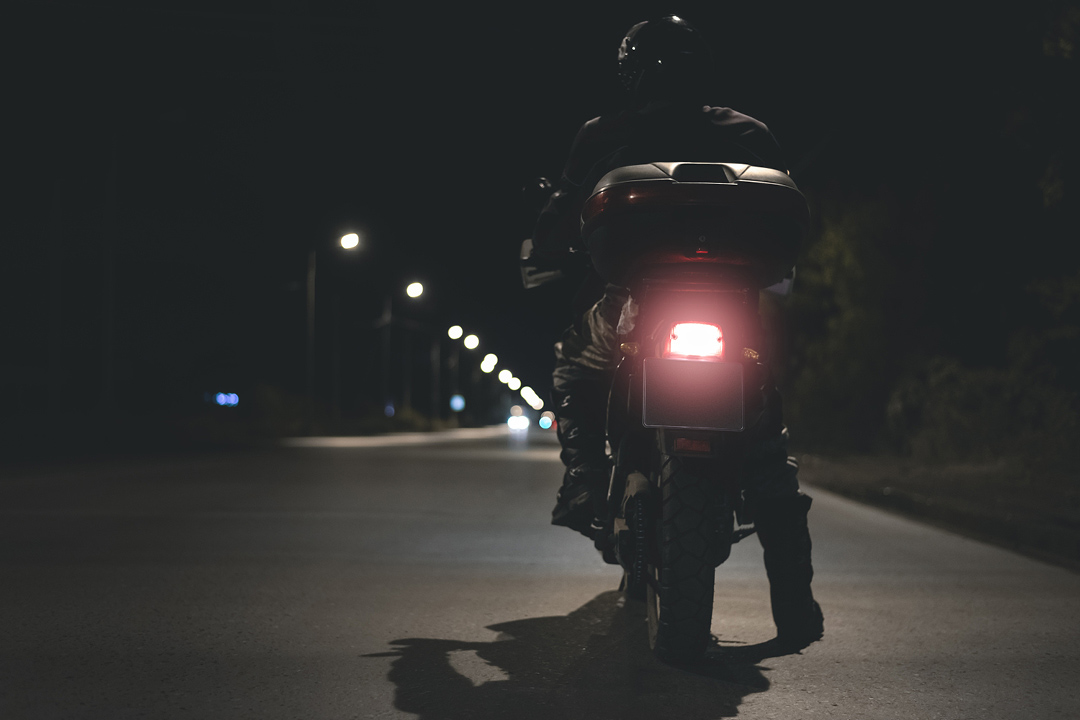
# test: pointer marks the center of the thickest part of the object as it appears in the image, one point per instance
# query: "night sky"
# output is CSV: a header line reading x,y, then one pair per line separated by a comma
x,y
198,150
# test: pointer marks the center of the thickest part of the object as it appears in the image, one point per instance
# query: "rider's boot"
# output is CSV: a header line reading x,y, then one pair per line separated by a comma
x,y
785,537
580,408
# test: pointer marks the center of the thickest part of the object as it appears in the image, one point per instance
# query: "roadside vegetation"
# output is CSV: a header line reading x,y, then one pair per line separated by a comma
x,y
934,334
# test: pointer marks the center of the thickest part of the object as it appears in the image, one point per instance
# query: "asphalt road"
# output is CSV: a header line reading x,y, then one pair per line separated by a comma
x,y
423,580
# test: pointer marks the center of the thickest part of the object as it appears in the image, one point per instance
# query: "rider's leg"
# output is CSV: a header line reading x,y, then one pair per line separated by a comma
x,y
779,511
584,362
579,407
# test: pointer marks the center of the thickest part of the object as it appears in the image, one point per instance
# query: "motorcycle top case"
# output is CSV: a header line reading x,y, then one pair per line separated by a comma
x,y
718,217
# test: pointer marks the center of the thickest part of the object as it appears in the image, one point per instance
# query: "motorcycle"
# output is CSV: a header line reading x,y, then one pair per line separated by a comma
x,y
694,243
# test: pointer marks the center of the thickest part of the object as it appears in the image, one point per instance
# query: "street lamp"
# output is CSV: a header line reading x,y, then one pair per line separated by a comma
x,y
412,290
530,396
349,241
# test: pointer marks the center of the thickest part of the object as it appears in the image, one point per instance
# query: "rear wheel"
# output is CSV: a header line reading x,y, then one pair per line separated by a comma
x,y
681,571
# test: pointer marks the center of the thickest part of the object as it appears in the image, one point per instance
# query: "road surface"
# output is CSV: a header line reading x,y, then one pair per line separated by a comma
x,y
422,579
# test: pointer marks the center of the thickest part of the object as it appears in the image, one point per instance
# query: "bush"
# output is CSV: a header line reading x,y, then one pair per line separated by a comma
x,y
946,412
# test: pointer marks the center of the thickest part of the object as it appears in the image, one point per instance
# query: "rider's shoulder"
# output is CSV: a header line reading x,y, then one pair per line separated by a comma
x,y
609,123
730,117
603,130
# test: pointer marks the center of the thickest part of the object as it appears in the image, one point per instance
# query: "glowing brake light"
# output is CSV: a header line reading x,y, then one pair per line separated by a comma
x,y
695,340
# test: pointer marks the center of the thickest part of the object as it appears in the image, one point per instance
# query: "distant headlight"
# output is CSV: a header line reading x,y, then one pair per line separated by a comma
x,y
518,422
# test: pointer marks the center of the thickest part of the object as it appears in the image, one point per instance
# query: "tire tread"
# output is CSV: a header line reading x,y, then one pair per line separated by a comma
x,y
681,632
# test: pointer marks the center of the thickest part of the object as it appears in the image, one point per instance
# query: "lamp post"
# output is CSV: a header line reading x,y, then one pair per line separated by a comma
x,y
454,333
436,372
470,342
413,290
350,241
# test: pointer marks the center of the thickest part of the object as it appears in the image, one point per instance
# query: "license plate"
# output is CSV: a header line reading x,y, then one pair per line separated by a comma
x,y
693,394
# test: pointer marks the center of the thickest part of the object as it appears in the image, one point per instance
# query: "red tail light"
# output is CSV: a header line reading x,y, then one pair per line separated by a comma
x,y
700,341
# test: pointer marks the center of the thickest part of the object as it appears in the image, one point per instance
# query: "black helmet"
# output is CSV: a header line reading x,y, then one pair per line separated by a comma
x,y
663,58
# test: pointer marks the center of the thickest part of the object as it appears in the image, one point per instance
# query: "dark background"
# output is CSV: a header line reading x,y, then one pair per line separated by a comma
x,y
168,167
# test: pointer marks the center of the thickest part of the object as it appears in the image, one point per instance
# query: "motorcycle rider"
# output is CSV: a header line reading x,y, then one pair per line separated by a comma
x,y
666,69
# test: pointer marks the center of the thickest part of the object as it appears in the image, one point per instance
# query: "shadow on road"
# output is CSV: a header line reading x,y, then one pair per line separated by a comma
x,y
593,663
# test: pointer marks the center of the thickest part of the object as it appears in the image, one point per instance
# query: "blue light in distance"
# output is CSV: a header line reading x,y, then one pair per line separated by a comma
x,y
545,422
388,411
227,399
457,403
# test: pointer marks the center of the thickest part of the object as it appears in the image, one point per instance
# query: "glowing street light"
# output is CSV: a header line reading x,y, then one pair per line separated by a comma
x,y
471,342
414,290
530,396
350,241
505,375
513,383
489,363
455,332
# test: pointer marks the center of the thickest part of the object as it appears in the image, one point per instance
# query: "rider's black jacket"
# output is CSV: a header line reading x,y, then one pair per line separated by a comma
x,y
659,132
